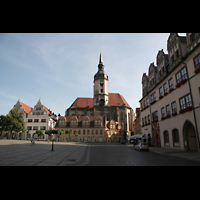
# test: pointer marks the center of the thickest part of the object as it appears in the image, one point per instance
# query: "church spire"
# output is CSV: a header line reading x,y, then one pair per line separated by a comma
x,y
100,59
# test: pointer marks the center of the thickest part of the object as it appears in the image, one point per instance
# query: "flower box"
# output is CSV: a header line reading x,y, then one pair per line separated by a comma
x,y
171,89
185,110
181,111
153,102
168,116
160,97
174,114
188,108
197,71
162,118
166,93
181,83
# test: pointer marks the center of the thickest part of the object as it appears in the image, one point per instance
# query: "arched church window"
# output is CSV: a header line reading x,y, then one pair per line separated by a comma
x,y
121,117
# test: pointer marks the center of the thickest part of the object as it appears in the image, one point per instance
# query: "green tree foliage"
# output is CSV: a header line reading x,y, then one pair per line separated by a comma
x,y
69,133
39,133
14,121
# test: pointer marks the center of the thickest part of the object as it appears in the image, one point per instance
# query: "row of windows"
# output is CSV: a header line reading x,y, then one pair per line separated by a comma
x,y
39,113
163,90
36,128
184,102
36,120
173,56
175,137
84,132
84,123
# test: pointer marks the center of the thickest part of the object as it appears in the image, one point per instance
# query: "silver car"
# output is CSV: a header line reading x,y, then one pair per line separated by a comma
x,y
142,146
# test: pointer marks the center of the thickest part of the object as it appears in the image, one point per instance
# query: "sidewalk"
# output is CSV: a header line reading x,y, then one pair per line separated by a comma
x,y
191,155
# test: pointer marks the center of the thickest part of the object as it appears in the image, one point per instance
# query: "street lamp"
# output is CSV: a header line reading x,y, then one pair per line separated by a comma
x,y
52,138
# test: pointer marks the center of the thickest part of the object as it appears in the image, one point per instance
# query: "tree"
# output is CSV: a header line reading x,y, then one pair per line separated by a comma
x,y
39,133
2,117
49,132
69,133
14,121
59,133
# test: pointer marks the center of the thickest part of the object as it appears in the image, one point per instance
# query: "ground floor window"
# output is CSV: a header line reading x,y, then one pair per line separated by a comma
x,y
166,138
175,136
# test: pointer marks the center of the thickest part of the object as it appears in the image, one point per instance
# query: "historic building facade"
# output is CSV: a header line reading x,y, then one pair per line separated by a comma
x,y
112,106
40,118
170,103
37,118
137,121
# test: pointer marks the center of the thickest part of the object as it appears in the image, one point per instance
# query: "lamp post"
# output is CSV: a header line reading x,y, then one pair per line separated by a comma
x,y
52,141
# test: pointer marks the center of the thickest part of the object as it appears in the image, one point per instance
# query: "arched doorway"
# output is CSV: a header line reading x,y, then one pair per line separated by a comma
x,y
190,136
166,138
175,136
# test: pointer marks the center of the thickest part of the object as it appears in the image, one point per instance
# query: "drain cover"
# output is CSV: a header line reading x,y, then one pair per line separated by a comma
x,y
72,160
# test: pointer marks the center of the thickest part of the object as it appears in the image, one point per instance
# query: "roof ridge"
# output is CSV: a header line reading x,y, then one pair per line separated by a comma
x,y
26,108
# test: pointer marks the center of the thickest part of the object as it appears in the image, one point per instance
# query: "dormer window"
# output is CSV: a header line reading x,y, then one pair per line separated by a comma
x,y
73,123
97,123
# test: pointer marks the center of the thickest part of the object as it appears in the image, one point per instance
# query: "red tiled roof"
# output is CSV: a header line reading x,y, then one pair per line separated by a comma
x,y
46,109
115,99
82,103
26,108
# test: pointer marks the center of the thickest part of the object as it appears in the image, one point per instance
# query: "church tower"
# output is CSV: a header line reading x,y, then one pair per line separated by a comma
x,y
101,97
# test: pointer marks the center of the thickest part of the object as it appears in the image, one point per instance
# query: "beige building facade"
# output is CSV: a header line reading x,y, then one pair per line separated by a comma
x,y
170,106
88,129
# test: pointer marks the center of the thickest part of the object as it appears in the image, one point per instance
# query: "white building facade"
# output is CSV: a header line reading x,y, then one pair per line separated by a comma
x,y
39,118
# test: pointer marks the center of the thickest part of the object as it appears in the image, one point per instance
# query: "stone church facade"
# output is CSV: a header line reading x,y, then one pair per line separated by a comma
x,y
112,106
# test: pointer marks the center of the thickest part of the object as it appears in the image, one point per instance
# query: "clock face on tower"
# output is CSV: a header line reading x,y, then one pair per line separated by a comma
x,y
101,82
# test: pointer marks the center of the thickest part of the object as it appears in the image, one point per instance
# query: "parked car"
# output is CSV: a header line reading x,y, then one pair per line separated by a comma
x,y
122,142
142,146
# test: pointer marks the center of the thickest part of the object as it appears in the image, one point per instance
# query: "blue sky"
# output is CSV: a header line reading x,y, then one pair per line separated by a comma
x,y
59,67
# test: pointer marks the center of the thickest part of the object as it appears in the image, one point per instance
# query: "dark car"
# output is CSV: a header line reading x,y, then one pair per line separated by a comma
x,y
122,142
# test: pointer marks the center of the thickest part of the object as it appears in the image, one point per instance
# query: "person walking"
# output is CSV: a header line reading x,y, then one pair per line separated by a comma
x,y
32,142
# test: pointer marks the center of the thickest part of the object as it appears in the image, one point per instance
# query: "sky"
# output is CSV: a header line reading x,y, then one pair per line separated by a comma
x,y
59,67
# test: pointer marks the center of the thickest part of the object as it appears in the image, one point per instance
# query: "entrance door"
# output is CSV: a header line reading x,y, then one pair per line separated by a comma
x,y
85,139
191,137
100,139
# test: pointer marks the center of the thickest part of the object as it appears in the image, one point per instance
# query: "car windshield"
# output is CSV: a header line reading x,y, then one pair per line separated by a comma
x,y
143,143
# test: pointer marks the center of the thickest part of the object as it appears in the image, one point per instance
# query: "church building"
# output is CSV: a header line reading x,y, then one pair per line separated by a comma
x,y
108,106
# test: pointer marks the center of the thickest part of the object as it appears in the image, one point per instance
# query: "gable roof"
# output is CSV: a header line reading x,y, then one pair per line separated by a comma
x,y
82,103
115,99
26,108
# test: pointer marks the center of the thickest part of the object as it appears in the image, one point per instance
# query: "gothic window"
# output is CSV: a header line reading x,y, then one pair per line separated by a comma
x,y
112,115
175,135
166,137
121,117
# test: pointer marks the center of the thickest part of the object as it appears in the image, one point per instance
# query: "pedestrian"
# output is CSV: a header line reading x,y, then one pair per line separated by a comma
x,y
48,141
32,141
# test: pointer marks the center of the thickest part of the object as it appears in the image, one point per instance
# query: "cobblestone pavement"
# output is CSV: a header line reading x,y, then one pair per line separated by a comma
x,y
106,154
21,153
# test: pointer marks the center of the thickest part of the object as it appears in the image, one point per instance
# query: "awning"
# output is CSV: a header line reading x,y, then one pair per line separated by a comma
x,y
138,136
